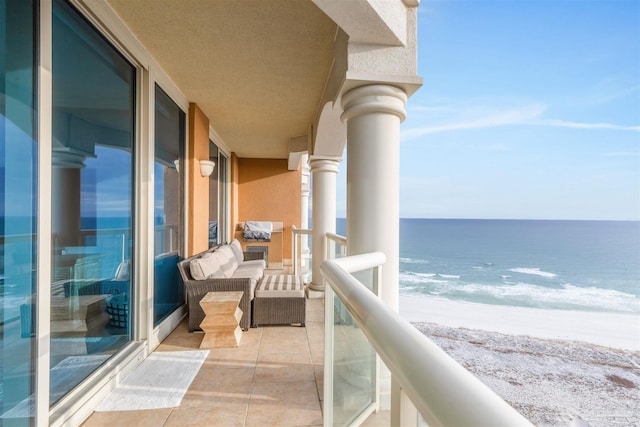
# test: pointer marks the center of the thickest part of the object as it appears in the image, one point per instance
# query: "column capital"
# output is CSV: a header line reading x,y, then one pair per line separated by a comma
x,y
374,98
324,164
69,157
411,3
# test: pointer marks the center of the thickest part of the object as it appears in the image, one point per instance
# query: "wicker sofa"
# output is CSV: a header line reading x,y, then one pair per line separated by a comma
x,y
222,268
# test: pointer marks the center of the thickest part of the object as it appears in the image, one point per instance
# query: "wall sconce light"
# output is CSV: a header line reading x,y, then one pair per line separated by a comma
x,y
176,164
206,167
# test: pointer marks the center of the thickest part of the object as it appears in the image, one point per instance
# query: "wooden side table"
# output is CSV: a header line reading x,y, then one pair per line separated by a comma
x,y
222,317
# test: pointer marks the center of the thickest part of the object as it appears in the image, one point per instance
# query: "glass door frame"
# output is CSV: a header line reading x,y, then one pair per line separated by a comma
x,y
225,233
44,164
144,337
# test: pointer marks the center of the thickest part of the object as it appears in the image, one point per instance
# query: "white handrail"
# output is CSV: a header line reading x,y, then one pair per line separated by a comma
x,y
337,238
361,262
443,391
304,231
338,241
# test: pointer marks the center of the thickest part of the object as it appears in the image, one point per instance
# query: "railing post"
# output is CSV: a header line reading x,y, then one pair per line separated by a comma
x,y
403,411
294,255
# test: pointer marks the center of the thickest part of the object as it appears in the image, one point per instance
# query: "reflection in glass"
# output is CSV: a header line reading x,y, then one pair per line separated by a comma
x,y
214,205
18,195
222,198
92,199
169,148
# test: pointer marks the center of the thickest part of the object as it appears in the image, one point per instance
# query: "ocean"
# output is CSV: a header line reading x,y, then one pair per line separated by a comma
x,y
564,265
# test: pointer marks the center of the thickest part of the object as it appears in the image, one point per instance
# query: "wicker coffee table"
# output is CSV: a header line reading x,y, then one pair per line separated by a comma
x,y
222,317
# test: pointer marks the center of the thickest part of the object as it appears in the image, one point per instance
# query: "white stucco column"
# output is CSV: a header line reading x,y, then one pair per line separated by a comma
x,y
323,211
373,115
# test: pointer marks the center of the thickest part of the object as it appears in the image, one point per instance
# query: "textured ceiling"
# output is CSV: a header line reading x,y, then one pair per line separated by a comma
x,y
257,68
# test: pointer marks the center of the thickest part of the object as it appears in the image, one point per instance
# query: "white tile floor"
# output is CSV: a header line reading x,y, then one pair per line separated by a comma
x,y
274,378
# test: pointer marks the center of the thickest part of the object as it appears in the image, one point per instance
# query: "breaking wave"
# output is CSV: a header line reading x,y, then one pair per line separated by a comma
x,y
533,271
566,296
414,261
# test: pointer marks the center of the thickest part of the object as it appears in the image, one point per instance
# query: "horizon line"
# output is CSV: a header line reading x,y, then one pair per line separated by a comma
x,y
515,219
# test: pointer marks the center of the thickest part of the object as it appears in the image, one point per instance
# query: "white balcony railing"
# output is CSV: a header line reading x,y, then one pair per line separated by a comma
x,y
443,392
351,368
334,244
301,256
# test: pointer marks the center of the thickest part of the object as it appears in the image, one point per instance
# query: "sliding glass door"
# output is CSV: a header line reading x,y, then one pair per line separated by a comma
x,y
214,205
217,197
223,187
18,191
92,199
168,213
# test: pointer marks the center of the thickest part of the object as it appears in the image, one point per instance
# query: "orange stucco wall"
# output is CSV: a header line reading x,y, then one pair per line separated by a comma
x,y
198,194
268,191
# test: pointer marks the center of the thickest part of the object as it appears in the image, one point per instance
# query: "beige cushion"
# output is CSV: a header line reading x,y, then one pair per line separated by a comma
x,y
217,273
237,250
227,260
196,269
247,272
258,263
280,286
207,266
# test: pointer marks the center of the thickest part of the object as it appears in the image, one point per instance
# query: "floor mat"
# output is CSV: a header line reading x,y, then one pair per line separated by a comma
x,y
160,381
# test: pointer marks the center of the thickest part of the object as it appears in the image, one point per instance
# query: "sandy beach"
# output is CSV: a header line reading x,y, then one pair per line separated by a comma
x,y
615,330
557,368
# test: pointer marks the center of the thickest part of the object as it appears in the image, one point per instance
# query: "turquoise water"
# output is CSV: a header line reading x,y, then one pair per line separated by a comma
x,y
575,265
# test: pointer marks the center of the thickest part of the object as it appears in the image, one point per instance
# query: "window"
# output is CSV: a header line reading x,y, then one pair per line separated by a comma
x,y
217,197
214,205
18,194
92,199
168,212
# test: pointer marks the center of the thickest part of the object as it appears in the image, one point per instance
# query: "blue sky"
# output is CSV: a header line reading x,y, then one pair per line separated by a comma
x,y
529,109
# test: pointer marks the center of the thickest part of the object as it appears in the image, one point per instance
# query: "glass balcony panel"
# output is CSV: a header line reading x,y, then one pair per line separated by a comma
x,y
302,244
354,361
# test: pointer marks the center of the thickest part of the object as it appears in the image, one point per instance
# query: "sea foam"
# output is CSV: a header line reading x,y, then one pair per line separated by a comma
x,y
414,261
418,278
568,297
533,271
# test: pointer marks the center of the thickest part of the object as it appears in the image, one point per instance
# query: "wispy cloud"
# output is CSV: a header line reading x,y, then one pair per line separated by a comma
x,y
466,118
578,125
609,89
501,118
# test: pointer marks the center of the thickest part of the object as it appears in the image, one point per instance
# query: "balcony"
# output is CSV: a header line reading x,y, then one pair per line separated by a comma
x,y
353,350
